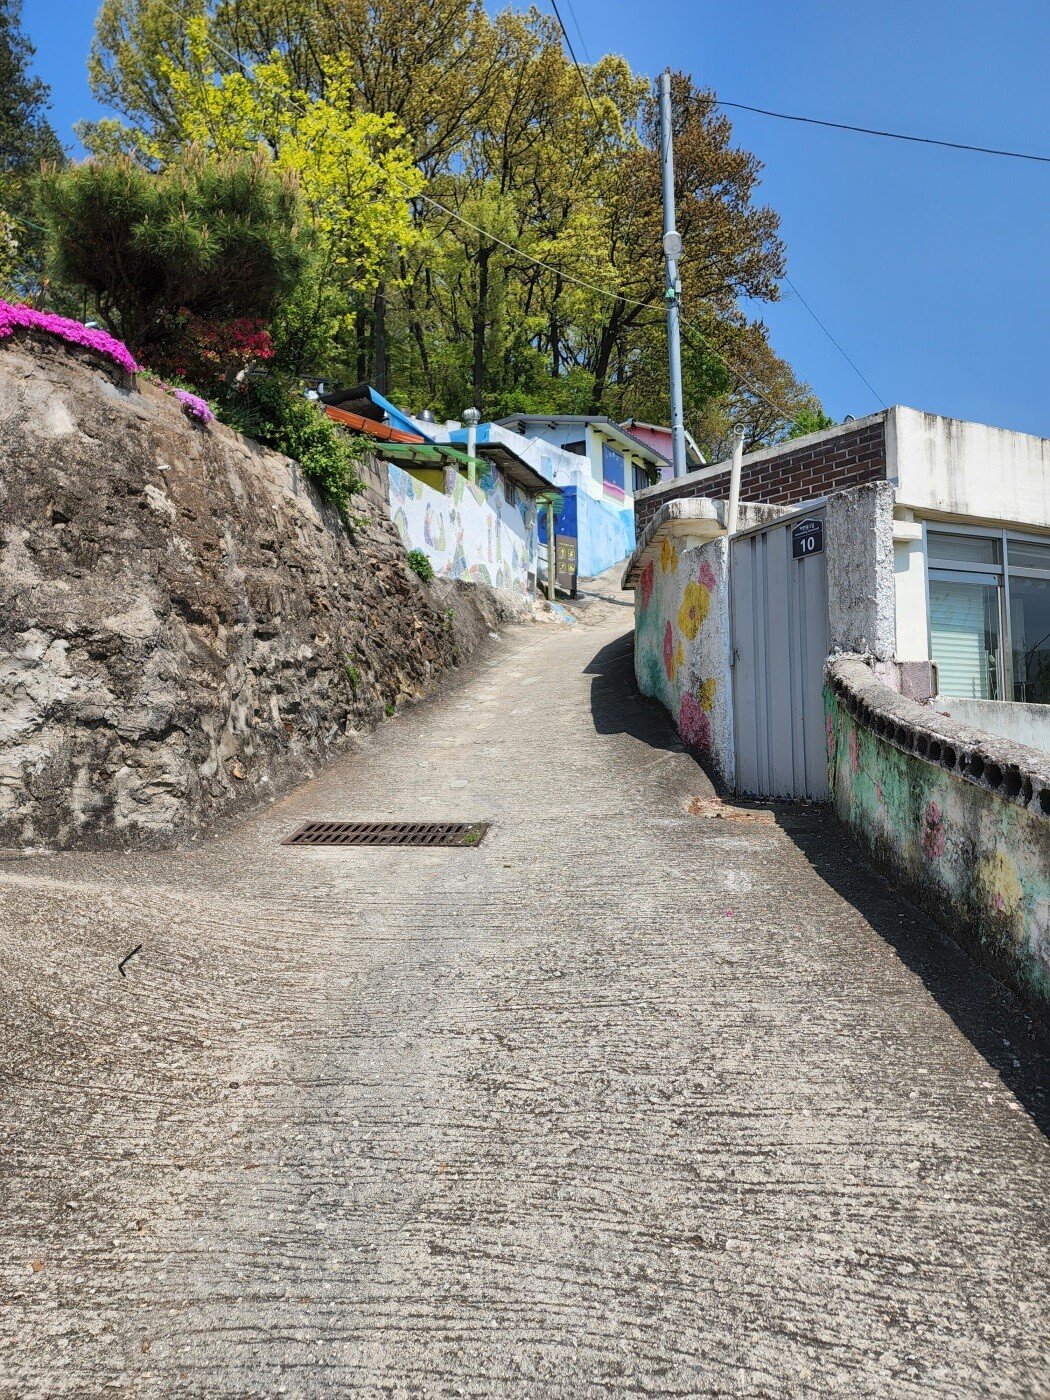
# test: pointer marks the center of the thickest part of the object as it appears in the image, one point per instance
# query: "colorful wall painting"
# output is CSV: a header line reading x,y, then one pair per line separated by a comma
x,y
473,533
681,645
978,863
604,535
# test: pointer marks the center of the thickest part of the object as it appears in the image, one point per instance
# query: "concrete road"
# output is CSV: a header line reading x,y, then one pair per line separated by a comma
x,y
624,1101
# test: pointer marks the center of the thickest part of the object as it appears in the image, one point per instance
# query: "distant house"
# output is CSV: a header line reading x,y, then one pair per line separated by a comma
x,y
617,459
598,467
660,438
474,518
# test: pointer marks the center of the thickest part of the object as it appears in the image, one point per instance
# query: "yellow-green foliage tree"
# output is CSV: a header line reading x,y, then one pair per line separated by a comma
x,y
514,152
354,170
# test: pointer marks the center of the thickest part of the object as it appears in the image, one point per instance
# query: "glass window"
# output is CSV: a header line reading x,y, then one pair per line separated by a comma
x,y
612,470
1028,554
964,636
1030,637
961,549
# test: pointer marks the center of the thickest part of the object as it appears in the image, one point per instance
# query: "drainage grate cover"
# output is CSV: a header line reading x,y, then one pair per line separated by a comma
x,y
333,833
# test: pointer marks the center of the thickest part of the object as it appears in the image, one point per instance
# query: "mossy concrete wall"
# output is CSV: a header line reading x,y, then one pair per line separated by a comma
x,y
964,830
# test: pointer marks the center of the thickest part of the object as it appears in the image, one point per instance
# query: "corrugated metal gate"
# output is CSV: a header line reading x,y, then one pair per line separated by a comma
x,y
779,611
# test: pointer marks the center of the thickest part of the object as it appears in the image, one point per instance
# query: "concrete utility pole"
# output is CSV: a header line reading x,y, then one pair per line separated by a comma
x,y
673,292
471,417
550,550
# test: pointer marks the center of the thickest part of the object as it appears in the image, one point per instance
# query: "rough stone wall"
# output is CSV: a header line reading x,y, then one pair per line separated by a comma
x,y
682,648
184,627
960,820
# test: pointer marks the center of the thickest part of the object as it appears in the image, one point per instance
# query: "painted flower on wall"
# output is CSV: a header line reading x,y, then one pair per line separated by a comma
x,y
695,603
646,581
1000,887
668,556
706,694
669,651
694,724
933,832
707,575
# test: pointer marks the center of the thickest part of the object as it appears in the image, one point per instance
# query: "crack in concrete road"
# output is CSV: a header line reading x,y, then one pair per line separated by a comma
x,y
624,1101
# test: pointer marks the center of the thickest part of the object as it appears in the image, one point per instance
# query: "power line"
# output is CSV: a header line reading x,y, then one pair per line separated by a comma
x,y
787,413
890,135
862,377
520,253
579,31
572,55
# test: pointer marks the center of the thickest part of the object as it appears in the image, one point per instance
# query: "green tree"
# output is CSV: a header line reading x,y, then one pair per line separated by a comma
x,y
811,419
26,139
215,237
496,118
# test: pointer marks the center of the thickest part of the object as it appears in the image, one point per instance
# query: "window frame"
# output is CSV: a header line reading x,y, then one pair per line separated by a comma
x,y
963,571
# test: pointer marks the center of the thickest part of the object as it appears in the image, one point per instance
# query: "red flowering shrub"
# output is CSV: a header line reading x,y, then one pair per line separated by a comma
x,y
207,353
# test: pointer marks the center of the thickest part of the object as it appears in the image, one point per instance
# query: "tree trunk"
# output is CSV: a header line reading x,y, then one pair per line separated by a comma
x,y
606,345
481,327
381,381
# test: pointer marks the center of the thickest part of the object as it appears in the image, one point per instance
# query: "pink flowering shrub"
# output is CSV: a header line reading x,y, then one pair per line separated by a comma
x,y
13,317
210,352
72,332
193,406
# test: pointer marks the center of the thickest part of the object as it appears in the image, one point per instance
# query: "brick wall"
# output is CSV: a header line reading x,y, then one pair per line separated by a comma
x,y
792,474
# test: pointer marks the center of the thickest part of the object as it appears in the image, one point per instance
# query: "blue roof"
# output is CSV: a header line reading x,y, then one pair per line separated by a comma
x,y
397,418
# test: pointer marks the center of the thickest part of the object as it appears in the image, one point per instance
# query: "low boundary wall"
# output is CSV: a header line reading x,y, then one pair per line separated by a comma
x,y
958,818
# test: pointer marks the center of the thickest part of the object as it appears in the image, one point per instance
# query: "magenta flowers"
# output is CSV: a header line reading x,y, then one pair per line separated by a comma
x,y
72,332
13,317
193,406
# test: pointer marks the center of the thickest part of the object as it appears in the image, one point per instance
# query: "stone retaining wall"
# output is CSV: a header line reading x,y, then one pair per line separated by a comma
x,y
184,626
958,818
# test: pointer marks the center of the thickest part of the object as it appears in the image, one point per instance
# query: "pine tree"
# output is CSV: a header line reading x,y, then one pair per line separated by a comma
x,y
26,140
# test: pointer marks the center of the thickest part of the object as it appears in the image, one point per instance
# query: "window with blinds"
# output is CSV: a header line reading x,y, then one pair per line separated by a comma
x,y
964,636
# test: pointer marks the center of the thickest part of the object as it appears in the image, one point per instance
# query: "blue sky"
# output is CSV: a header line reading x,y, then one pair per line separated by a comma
x,y
930,267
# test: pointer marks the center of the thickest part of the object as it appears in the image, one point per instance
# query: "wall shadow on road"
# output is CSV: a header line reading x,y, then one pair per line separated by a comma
x,y
985,1011
619,707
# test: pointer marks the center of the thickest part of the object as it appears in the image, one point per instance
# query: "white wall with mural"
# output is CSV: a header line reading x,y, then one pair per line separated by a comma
x,y
473,533
682,647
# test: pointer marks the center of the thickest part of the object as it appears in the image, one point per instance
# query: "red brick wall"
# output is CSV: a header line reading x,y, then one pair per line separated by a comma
x,y
795,474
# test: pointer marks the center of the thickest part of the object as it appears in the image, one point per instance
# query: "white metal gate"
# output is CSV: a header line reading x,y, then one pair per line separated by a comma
x,y
779,609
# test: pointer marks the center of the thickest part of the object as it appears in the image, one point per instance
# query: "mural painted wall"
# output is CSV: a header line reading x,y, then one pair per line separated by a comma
x,y
604,536
473,533
681,645
981,865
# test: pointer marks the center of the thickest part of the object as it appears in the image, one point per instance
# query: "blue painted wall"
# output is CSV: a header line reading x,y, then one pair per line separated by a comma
x,y
604,535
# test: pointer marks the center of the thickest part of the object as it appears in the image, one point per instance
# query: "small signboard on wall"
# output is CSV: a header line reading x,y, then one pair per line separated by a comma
x,y
565,564
807,537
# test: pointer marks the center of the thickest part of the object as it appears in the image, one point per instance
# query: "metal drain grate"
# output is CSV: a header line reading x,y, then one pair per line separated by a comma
x,y
388,834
